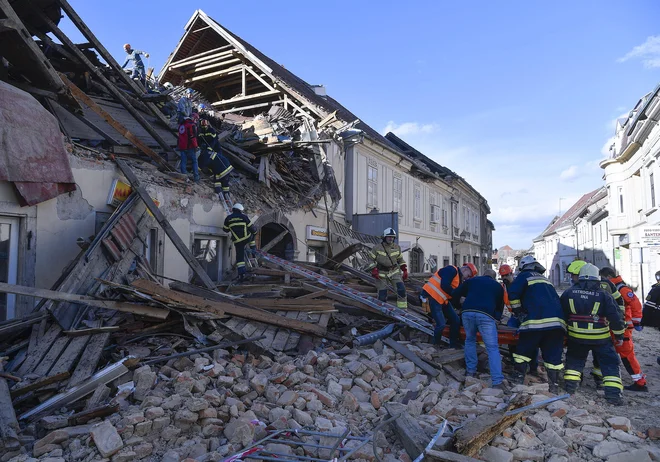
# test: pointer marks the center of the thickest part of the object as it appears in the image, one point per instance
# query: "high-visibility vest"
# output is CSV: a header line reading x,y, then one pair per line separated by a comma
x,y
434,289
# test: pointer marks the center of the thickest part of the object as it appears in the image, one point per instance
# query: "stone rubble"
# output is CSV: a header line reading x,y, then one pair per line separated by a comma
x,y
208,407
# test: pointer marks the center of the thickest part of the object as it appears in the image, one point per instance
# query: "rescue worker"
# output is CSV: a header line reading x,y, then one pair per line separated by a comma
x,y
184,106
211,158
481,312
592,314
651,313
187,146
388,265
438,291
506,274
242,233
534,301
633,319
138,65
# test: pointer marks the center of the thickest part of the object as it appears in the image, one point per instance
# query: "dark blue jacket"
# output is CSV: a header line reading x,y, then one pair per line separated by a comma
x,y
482,294
535,302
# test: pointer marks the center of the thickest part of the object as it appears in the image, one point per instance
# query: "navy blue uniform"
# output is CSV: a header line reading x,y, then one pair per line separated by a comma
x,y
211,159
242,232
591,313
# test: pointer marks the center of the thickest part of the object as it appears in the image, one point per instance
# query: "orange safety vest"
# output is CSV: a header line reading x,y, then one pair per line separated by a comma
x,y
506,297
433,288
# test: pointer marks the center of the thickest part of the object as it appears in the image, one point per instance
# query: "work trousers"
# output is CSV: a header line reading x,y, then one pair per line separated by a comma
x,y
441,314
628,358
240,257
396,281
551,344
534,363
185,155
474,322
576,357
219,166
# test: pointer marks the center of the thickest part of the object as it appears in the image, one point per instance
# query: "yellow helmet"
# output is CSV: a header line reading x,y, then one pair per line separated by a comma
x,y
576,266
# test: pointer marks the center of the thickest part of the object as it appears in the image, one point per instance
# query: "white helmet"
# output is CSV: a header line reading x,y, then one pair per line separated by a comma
x,y
590,272
389,232
238,207
527,260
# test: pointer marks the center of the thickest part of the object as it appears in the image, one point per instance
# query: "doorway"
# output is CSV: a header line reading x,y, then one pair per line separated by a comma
x,y
284,248
416,260
8,264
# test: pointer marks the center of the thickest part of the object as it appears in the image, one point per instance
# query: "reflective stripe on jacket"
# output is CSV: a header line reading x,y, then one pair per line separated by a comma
x,y
633,307
535,302
388,258
240,227
443,282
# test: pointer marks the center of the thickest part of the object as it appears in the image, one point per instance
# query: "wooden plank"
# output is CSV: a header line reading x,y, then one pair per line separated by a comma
x,y
410,433
340,298
282,335
41,349
209,54
232,309
156,313
165,224
88,362
70,355
447,456
275,241
54,378
8,424
294,337
51,357
276,302
324,319
250,328
269,333
92,330
19,325
262,94
342,255
202,292
396,346
311,295
216,74
478,433
298,308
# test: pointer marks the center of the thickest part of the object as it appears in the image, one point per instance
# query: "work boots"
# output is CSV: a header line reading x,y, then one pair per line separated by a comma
x,y
571,386
519,371
636,387
598,380
614,400
553,381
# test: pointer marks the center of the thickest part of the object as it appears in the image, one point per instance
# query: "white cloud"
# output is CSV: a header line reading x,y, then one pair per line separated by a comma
x,y
648,52
409,128
570,174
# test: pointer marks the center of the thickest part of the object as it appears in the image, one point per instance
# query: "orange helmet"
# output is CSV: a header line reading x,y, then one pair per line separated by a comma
x,y
504,270
472,268
127,46
204,123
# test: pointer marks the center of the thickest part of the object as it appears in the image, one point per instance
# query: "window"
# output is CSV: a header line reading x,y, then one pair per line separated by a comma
x,y
8,264
467,219
435,210
445,261
205,250
445,218
457,259
454,220
465,259
475,260
652,190
151,248
475,224
417,206
433,263
620,193
607,233
372,186
398,194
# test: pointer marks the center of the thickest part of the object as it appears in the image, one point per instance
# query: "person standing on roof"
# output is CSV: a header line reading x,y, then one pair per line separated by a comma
x,y
243,233
211,158
387,265
534,301
591,315
439,292
188,146
633,319
481,312
136,57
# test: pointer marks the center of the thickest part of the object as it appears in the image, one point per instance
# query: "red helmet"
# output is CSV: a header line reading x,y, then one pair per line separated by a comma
x,y
472,268
505,269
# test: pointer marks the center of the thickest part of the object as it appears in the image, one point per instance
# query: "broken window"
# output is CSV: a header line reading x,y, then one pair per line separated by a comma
x,y
372,186
417,206
205,250
398,194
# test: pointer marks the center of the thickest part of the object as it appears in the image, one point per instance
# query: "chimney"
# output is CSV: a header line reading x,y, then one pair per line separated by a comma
x,y
319,90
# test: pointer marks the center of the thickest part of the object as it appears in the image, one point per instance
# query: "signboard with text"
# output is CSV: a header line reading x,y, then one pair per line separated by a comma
x,y
650,236
315,233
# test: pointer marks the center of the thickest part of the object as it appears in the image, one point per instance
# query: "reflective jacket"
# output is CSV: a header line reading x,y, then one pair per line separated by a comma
x,y
651,313
387,258
208,138
240,227
633,307
535,302
591,314
216,164
442,284
611,289
483,294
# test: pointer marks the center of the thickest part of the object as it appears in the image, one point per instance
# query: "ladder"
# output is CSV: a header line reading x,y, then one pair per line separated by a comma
x,y
403,316
227,201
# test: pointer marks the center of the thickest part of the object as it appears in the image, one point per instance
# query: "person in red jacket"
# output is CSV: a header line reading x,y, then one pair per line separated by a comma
x,y
188,146
633,319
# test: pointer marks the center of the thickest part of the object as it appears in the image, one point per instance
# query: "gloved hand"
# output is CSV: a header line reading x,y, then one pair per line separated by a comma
x,y
618,340
374,273
404,268
639,328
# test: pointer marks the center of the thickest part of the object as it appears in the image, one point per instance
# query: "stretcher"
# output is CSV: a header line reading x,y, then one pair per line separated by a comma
x,y
505,335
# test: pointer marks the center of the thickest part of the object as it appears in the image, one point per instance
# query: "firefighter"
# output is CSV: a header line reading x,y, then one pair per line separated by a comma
x,y
534,301
388,265
651,313
242,233
211,158
592,314
633,319
438,292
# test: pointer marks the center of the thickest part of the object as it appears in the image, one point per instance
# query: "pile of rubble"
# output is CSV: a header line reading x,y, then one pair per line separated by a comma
x,y
208,407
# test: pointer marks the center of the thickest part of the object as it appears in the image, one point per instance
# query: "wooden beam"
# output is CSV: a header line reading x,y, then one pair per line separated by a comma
x,y
91,330
275,302
409,355
206,67
109,58
245,98
199,57
258,77
275,241
343,254
242,108
216,74
410,433
232,308
42,382
165,224
8,424
447,456
125,132
157,313
106,83
243,81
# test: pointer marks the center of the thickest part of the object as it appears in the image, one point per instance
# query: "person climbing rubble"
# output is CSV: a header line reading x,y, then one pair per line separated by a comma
x,y
388,265
242,232
534,301
438,292
633,319
591,314
212,160
184,107
187,145
138,66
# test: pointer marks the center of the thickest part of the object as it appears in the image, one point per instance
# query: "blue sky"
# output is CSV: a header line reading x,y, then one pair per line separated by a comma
x,y
517,97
